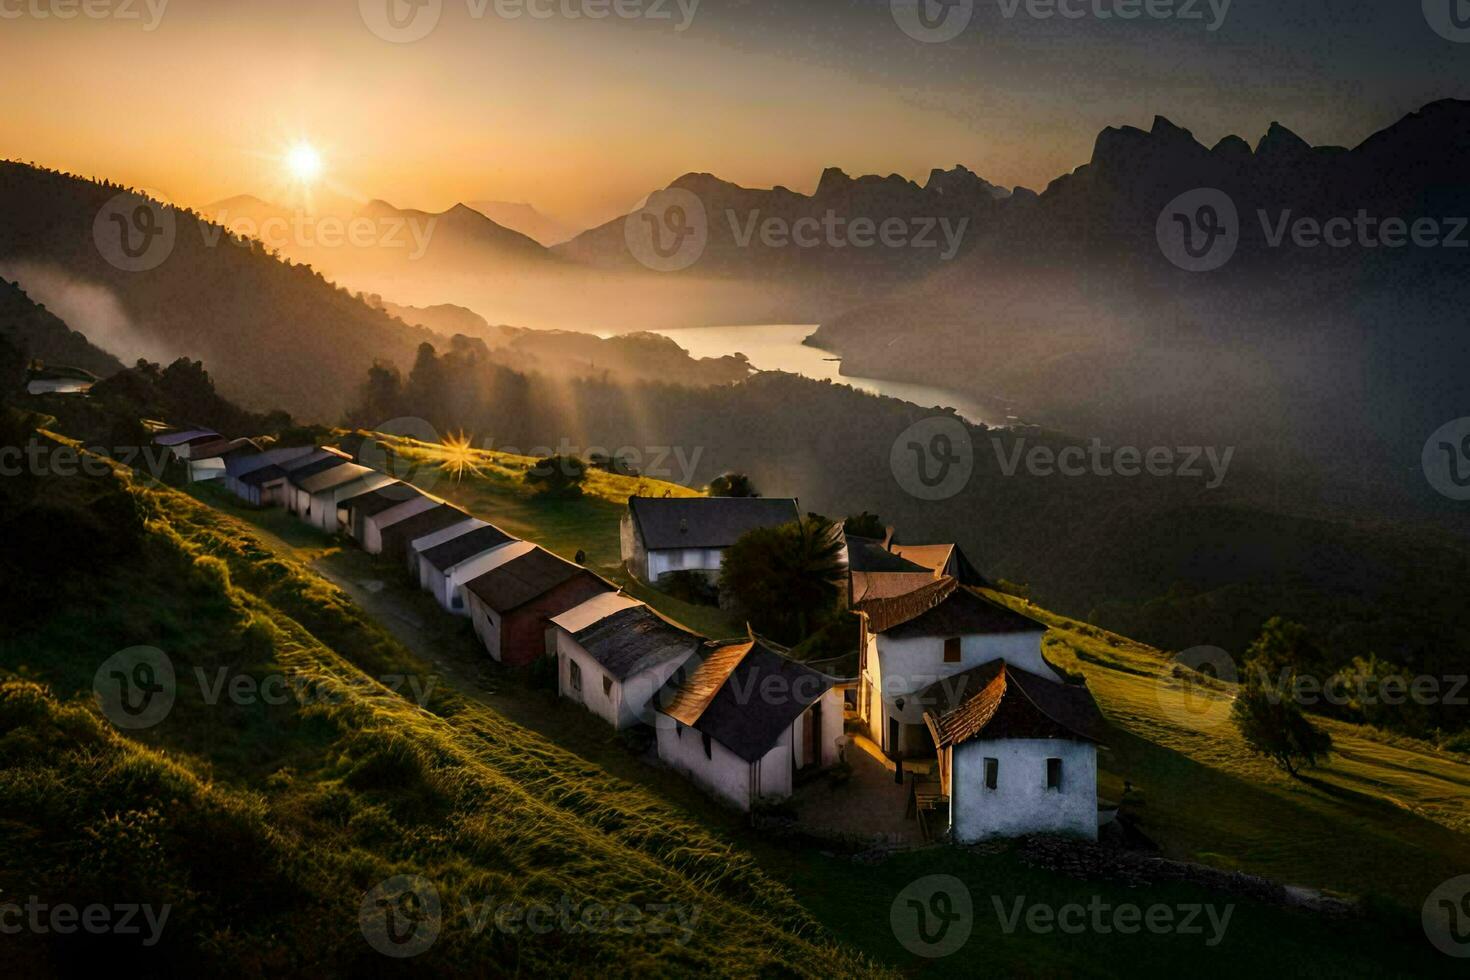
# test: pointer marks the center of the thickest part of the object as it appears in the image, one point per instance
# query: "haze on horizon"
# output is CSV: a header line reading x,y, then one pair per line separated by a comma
x,y
583,117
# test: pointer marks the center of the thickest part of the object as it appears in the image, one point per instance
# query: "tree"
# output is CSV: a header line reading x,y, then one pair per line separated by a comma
x,y
865,525
379,399
787,580
1275,727
559,477
732,485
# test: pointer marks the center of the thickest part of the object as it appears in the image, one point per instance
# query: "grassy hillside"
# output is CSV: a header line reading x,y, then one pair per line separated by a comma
x,y
264,825
1385,814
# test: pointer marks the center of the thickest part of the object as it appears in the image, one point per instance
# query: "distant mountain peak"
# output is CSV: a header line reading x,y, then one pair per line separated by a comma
x,y
1280,142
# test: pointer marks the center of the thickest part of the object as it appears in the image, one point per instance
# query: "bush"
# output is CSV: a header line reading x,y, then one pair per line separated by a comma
x,y
558,477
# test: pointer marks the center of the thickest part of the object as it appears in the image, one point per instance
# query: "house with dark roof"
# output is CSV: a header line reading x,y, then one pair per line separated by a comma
x,y
445,567
746,720
662,535
614,654
268,484
300,482
371,515
512,604
908,642
318,496
181,442
1017,752
393,539
352,509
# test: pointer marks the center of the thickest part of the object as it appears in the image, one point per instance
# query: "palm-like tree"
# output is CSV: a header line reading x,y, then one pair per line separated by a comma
x,y
786,579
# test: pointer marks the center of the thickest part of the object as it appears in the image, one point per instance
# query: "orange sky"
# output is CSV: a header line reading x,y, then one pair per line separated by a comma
x,y
583,117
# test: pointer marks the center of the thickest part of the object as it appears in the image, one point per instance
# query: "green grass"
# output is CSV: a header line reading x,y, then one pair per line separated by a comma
x,y
264,825
1385,814
500,790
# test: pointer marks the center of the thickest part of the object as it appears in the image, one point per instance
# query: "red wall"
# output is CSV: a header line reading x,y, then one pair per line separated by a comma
x,y
523,631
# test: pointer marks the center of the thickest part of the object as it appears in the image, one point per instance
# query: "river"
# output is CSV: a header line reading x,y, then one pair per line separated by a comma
x,y
779,347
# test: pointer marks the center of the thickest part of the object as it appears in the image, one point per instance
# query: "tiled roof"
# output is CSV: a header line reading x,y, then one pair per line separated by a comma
x,y
998,700
943,608
705,522
744,696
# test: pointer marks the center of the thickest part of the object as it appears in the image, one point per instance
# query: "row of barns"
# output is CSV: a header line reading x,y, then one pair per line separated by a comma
x,y
742,719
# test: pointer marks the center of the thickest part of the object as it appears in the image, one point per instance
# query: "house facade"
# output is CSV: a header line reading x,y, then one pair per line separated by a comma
x,y
746,720
238,467
395,538
371,521
321,493
614,655
1017,753
444,570
512,605
909,642
662,535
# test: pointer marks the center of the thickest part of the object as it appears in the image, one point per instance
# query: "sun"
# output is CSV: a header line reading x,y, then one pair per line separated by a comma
x,y
304,163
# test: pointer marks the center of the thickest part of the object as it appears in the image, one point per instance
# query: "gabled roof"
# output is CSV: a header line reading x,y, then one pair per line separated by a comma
x,y
333,477
869,555
998,700
238,466
526,577
377,500
466,546
744,696
931,556
630,639
943,608
297,475
705,522
424,522
184,436
263,474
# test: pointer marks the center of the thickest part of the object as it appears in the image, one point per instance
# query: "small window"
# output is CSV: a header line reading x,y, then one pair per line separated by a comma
x,y
708,750
952,650
574,674
992,773
1054,774
458,601
607,686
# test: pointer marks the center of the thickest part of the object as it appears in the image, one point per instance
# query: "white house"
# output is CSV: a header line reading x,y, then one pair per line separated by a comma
x,y
267,485
660,535
745,720
297,496
614,654
445,568
179,442
1017,753
434,538
371,520
909,641
319,495
209,462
